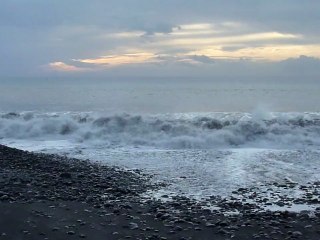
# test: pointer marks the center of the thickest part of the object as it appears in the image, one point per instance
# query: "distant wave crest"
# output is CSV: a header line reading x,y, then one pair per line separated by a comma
x,y
170,131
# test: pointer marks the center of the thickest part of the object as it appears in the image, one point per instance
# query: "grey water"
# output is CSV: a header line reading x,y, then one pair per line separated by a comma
x,y
159,95
202,136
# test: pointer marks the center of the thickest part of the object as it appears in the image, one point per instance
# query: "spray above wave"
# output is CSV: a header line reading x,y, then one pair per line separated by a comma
x,y
170,131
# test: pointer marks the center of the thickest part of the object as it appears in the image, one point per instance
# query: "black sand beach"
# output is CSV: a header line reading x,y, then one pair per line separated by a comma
x,y
52,197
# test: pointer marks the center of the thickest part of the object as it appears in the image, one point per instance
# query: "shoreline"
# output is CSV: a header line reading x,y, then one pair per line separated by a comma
x,y
46,196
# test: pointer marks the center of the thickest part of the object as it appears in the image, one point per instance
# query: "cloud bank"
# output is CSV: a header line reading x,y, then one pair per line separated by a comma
x,y
159,38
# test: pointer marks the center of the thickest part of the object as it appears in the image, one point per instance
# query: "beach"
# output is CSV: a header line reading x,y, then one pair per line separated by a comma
x,y
52,197
187,120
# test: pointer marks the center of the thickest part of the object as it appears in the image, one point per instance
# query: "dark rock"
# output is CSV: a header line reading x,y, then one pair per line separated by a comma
x,y
65,175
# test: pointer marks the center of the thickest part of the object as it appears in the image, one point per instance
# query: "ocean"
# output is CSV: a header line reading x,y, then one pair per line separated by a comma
x,y
200,137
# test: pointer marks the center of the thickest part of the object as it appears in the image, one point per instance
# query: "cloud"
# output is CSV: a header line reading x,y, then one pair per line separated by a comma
x,y
303,59
202,59
301,65
158,28
208,40
267,52
121,59
212,40
102,34
63,67
232,48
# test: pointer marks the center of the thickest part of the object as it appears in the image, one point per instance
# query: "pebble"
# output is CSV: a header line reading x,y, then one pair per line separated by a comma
x,y
296,234
117,191
133,226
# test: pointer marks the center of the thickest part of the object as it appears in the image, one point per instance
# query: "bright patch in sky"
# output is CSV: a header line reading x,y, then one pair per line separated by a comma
x,y
114,60
229,40
60,66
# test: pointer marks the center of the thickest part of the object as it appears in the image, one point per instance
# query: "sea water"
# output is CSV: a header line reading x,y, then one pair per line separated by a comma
x,y
201,138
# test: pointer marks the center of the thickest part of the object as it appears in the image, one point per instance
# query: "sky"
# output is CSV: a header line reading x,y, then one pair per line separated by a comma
x,y
167,38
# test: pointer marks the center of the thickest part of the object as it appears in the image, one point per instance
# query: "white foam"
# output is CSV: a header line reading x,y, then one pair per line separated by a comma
x,y
291,208
169,131
198,155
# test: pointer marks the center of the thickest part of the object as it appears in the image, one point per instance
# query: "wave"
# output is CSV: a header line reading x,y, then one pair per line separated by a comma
x,y
170,131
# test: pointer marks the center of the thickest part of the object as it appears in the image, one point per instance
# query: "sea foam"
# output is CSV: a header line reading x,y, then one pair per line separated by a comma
x,y
168,131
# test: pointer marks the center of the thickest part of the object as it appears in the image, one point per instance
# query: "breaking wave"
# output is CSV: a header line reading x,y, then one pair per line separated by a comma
x,y
170,131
